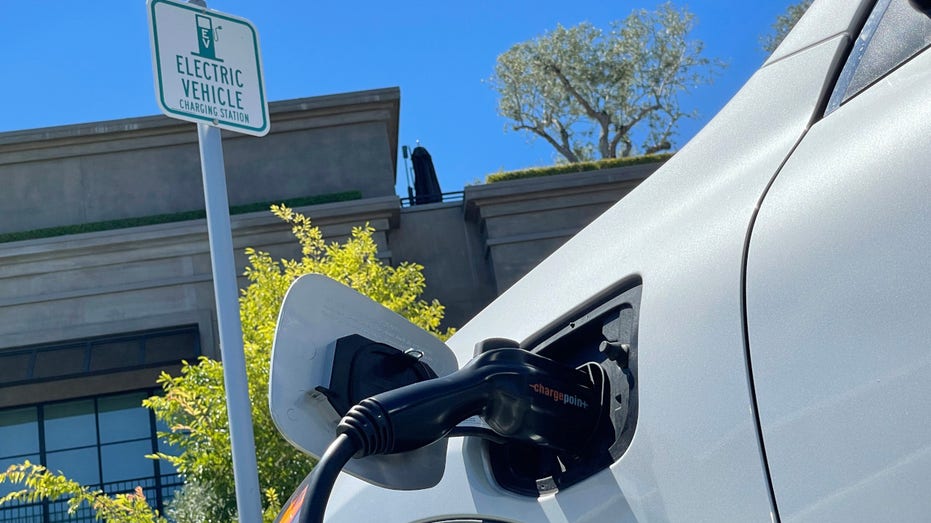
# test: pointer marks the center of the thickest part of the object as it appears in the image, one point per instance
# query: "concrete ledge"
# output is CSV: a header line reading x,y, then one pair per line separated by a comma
x,y
523,221
96,243
138,278
563,183
128,168
564,234
50,139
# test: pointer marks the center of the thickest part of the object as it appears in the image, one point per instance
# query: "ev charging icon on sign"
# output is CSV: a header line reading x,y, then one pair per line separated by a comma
x,y
206,38
197,82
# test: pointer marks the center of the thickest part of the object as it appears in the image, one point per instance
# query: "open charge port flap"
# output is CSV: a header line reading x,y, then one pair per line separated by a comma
x,y
605,335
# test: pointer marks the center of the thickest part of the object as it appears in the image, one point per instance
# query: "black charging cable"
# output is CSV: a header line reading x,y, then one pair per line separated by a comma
x,y
520,395
324,476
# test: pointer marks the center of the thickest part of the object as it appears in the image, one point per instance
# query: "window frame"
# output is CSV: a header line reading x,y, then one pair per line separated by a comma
x,y
855,60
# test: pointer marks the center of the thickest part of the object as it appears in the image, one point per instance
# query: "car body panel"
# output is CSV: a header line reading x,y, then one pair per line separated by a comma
x,y
838,300
696,453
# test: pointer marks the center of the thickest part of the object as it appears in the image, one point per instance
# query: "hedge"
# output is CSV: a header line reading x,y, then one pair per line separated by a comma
x,y
564,168
172,217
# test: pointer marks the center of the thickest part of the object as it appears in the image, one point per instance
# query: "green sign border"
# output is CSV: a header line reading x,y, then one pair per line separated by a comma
x,y
158,67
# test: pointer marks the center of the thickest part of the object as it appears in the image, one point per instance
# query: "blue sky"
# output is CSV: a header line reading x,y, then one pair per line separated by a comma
x,y
69,61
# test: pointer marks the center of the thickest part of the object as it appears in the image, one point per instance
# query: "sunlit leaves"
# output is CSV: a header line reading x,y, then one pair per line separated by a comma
x,y
41,484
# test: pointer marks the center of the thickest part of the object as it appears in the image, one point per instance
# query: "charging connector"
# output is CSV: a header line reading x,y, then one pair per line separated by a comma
x,y
520,395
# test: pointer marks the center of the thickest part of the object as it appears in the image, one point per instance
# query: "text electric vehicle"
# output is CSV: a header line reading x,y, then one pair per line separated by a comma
x,y
745,337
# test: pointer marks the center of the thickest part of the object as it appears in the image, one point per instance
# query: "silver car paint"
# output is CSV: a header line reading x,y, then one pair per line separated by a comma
x,y
696,453
838,295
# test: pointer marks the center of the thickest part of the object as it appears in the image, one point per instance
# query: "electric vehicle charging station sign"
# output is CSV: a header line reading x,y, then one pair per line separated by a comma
x,y
207,67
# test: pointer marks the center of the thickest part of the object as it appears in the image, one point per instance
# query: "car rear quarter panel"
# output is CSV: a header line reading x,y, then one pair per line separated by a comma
x,y
696,454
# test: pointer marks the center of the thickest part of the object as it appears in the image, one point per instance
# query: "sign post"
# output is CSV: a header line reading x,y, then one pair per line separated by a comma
x,y
208,70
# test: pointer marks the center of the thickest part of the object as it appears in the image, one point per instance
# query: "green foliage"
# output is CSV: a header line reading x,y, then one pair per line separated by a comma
x,y
565,168
194,403
783,24
187,504
169,218
587,92
190,504
41,484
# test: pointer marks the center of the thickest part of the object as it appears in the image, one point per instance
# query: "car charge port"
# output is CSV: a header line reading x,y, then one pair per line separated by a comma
x,y
602,341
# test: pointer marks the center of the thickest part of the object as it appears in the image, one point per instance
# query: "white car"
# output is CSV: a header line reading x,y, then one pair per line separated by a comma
x,y
765,297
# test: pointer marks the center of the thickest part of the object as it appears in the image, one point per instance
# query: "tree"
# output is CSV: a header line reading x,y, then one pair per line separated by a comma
x,y
783,24
194,403
587,92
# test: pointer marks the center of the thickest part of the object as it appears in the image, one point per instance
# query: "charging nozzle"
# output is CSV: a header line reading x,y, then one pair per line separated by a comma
x,y
520,395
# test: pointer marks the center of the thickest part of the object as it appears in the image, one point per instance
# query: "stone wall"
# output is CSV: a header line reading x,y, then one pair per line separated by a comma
x,y
524,221
141,278
147,166
453,255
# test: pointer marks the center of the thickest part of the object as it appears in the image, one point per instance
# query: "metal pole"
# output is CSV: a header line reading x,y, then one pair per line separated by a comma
x,y
242,439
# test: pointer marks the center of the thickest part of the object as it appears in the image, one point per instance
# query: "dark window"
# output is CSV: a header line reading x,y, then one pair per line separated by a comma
x,y
122,418
19,433
98,355
99,442
15,366
54,363
116,354
894,32
70,425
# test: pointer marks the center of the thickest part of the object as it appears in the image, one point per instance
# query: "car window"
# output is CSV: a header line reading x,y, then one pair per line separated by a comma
x,y
894,32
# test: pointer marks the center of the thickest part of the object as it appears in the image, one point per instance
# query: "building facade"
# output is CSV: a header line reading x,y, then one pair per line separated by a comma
x,y
105,276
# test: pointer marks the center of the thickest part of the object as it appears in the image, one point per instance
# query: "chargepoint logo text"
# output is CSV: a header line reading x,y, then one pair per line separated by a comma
x,y
559,396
